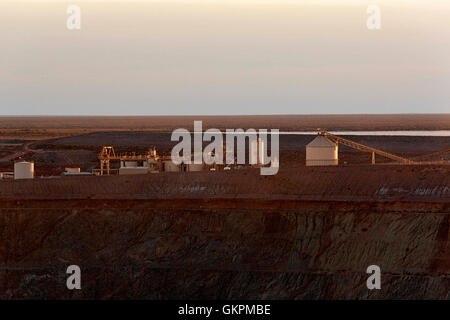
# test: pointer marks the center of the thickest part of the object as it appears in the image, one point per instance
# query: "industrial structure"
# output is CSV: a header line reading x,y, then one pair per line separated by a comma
x,y
186,165
151,162
74,172
133,167
323,150
129,163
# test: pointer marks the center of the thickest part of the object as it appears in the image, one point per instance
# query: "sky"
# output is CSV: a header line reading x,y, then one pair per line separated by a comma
x,y
224,57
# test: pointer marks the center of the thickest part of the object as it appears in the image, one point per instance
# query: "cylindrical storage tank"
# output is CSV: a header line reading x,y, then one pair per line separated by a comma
x,y
195,167
322,152
23,170
169,166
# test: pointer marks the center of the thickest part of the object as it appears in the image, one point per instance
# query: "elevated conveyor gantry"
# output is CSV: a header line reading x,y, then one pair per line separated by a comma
x,y
364,148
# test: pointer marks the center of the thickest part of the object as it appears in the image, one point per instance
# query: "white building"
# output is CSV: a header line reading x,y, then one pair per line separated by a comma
x,y
133,167
322,152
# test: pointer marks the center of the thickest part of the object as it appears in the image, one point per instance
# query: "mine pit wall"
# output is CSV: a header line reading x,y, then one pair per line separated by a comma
x,y
223,248
353,183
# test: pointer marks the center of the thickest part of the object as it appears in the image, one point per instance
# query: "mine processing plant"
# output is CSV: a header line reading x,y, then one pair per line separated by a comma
x,y
150,160
322,151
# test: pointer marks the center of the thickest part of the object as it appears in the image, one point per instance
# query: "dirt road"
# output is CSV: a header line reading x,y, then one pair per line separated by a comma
x,y
26,148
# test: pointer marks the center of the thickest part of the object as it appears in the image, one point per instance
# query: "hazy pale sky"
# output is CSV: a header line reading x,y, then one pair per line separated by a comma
x,y
149,57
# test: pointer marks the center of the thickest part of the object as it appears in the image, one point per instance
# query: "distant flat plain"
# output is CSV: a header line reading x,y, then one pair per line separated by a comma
x,y
46,127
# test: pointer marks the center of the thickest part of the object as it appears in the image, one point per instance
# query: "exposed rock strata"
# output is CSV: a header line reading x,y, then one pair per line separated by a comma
x,y
308,234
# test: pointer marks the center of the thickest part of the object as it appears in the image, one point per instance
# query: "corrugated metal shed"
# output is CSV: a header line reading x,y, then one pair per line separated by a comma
x,y
321,141
322,152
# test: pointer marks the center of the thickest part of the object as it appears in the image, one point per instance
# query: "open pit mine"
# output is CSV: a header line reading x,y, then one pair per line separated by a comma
x,y
305,233
140,226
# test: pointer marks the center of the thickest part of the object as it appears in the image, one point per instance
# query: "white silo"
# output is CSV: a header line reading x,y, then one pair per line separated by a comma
x,y
322,152
23,170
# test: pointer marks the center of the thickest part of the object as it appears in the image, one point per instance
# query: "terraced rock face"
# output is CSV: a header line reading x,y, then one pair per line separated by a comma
x,y
308,234
182,249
